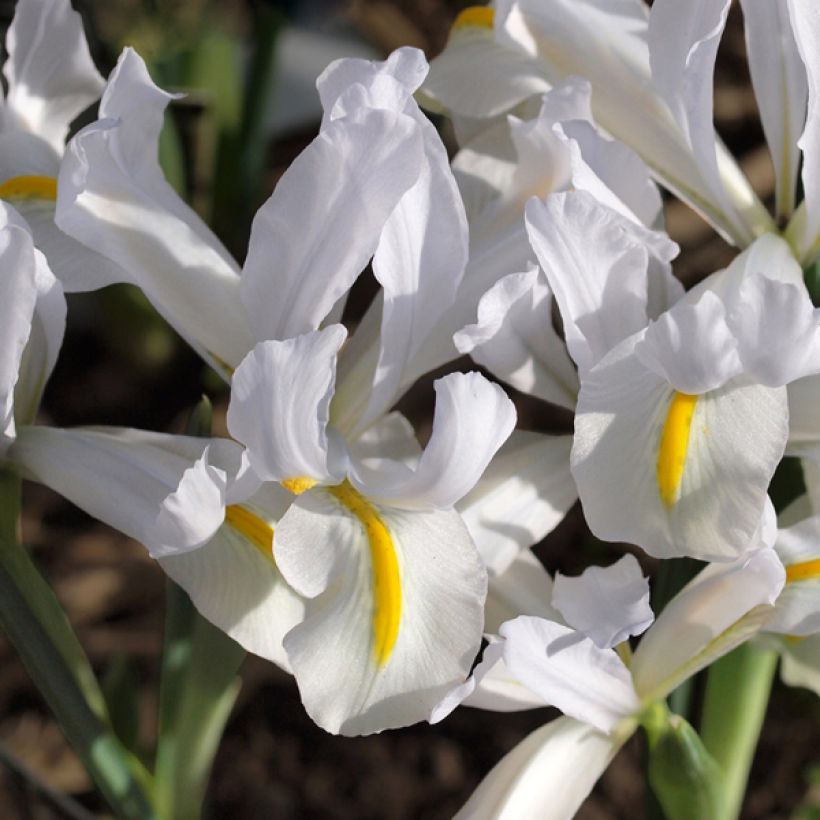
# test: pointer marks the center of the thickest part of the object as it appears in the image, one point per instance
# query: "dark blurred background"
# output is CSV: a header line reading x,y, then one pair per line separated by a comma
x,y
121,365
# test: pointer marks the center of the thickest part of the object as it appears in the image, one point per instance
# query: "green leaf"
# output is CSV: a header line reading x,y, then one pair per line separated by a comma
x,y
120,688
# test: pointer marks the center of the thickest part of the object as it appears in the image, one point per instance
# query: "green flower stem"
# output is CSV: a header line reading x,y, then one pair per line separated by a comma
x,y
737,694
34,622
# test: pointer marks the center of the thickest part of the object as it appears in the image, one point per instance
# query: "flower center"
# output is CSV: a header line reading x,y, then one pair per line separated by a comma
x,y
29,187
804,571
674,444
475,16
255,529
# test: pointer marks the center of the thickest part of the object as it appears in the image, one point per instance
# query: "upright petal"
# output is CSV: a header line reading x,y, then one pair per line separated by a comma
x,y
280,395
473,418
113,197
606,604
719,609
317,232
394,621
779,80
50,73
166,491
548,775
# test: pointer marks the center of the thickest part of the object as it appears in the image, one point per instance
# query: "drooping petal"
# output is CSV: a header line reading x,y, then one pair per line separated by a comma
x,y
113,197
515,340
317,232
548,775
473,418
597,273
719,609
524,494
234,582
394,621
606,604
779,80
567,670
166,491
50,72
280,395
677,474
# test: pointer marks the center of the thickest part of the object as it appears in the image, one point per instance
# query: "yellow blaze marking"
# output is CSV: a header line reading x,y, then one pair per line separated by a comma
x,y
257,531
386,579
804,571
478,16
674,443
29,187
298,485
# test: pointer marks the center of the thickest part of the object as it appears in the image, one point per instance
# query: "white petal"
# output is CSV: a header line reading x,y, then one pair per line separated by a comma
x,y
548,775
238,588
524,494
595,270
804,420
800,663
779,81
568,671
351,681
606,604
50,73
113,197
515,340
472,419
316,233
280,395
805,20
166,491
734,440
714,613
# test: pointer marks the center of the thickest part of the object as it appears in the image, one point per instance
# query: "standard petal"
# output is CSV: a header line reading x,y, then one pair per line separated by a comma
x,y
677,474
50,73
779,80
596,271
473,418
548,775
166,491
567,670
280,395
606,604
719,609
234,582
524,494
394,621
113,197
515,340
322,224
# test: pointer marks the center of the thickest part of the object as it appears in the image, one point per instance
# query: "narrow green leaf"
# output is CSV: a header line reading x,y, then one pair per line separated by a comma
x,y
119,685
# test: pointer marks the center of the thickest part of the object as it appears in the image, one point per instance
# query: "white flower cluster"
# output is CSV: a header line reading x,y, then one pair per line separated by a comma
x,y
321,536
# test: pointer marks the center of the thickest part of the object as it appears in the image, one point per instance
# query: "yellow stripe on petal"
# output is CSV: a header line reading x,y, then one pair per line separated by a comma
x,y
674,444
254,528
475,17
298,485
387,598
29,187
804,571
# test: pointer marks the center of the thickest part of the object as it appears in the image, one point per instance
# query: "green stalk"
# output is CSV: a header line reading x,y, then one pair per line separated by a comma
x,y
737,694
36,625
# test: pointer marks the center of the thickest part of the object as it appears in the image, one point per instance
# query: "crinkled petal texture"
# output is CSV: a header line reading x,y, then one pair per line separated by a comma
x,y
677,474
318,230
166,491
395,612
515,340
280,395
234,582
113,197
524,494
797,612
606,604
569,671
720,608
50,74
548,775
473,417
